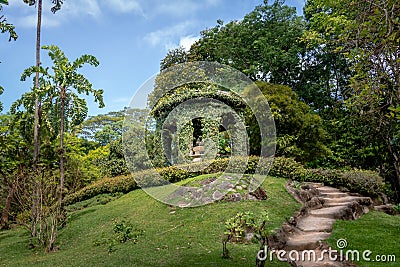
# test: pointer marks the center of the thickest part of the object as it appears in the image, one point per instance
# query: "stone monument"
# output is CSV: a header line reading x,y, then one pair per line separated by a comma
x,y
197,152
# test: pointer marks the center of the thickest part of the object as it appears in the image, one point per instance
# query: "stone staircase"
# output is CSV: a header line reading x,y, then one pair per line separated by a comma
x,y
305,233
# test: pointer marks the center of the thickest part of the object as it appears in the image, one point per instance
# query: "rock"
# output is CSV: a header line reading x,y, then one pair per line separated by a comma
x,y
388,209
225,186
249,236
217,195
314,203
259,193
234,197
207,181
307,187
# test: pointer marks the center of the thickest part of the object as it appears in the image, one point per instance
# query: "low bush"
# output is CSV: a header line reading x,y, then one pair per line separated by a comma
x,y
367,183
123,232
364,182
288,168
121,184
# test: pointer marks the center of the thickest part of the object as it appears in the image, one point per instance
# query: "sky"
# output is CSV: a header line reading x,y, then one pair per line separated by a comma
x,y
128,37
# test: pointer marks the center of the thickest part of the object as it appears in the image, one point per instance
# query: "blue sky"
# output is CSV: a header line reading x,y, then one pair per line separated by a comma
x,y
128,37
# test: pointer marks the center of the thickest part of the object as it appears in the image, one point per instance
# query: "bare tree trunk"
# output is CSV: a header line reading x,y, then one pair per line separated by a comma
x,y
36,128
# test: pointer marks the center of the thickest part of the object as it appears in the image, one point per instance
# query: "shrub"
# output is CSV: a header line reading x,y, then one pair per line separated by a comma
x,y
363,182
123,232
360,181
122,184
288,168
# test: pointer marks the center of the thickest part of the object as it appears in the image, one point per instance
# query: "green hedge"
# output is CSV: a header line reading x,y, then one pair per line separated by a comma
x,y
364,182
367,183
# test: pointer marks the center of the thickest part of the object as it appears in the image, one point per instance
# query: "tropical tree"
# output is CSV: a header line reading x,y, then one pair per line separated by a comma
x,y
367,34
62,109
37,105
36,129
64,86
103,128
299,130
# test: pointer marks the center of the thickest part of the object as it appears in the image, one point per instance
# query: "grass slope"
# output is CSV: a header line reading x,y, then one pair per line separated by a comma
x,y
172,237
375,231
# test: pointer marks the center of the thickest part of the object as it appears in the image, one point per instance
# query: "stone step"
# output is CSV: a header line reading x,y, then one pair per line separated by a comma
x,y
330,202
328,189
316,185
306,240
334,194
336,212
315,224
333,204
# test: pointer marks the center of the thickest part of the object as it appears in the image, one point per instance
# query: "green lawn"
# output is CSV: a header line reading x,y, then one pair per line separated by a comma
x,y
375,231
172,237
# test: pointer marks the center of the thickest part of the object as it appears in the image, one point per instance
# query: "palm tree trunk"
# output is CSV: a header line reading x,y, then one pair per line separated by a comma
x,y
36,126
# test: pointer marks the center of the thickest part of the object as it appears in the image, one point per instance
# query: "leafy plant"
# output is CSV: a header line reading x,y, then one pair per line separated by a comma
x,y
123,231
243,223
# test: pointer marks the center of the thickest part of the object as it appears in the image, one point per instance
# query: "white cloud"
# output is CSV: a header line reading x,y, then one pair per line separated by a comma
x,y
124,6
187,41
168,36
78,8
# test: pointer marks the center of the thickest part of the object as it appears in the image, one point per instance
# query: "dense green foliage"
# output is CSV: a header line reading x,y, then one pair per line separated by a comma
x,y
359,181
366,35
300,133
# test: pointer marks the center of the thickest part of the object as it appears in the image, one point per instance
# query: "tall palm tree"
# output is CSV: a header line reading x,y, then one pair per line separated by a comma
x,y
37,113
36,125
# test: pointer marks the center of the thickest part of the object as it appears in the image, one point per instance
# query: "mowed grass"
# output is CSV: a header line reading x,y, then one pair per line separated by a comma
x,y
375,231
172,236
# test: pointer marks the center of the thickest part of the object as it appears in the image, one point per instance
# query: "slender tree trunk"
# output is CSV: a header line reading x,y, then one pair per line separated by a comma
x,y
36,126
62,152
36,129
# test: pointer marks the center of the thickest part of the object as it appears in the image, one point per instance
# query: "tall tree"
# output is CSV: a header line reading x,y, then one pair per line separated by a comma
x,y
367,34
263,45
65,85
37,109
36,129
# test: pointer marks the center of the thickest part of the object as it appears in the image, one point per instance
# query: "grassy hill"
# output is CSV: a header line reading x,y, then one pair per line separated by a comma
x,y
172,236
